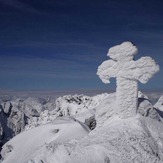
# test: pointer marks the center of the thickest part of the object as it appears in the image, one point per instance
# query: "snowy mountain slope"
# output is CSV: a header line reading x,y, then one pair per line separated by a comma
x,y
24,146
98,113
16,113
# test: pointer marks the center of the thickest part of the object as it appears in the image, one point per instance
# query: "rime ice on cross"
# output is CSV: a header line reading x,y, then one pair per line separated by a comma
x,y
127,73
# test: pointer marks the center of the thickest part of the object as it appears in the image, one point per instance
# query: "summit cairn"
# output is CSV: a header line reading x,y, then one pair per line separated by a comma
x,y
127,72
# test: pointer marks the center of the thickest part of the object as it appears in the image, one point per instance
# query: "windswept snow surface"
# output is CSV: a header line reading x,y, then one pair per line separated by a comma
x,y
24,146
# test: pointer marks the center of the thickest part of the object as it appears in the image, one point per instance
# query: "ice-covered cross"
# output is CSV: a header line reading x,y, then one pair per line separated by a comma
x,y
127,72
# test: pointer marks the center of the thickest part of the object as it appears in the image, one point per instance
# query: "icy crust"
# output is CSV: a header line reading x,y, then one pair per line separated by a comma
x,y
120,141
127,72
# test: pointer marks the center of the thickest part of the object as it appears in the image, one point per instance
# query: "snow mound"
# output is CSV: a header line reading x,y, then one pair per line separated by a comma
x,y
24,146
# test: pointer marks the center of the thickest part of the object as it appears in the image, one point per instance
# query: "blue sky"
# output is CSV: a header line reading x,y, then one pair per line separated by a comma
x,y
58,44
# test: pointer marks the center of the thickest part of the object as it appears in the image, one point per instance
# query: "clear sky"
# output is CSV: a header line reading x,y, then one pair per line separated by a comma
x,y
58,44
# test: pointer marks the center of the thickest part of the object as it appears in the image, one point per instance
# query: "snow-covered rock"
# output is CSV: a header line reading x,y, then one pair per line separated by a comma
x,y
159,104
72,105
33,106
146,109
78,106
6,107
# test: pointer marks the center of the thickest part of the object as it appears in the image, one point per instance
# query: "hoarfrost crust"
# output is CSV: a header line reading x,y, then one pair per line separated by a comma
x,y
128,72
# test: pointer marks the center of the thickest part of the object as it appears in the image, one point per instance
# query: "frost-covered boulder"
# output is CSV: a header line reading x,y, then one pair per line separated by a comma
x,y
146,109
127,72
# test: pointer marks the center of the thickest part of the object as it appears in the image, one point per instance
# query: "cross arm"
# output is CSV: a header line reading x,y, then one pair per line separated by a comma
x,y
107,69
146,68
